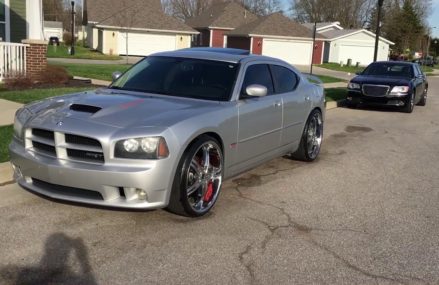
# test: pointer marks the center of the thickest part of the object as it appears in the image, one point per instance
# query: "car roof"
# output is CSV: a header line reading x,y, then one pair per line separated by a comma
x,y
395,62
218,54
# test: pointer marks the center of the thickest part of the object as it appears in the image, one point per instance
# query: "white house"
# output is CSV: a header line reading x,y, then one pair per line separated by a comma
x,y
53,29
357,45
134,27
21,19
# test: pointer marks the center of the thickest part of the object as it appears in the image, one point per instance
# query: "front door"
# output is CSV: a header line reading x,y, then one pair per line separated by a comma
x,y
260,118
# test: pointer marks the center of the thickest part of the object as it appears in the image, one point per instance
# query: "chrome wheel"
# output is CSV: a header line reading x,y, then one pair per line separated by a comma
x,y
314,135
204,177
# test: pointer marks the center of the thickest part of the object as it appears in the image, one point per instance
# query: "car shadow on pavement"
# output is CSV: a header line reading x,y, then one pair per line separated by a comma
x,y
55,267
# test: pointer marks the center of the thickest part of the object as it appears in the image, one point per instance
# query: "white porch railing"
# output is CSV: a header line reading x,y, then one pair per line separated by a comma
x,y
12,59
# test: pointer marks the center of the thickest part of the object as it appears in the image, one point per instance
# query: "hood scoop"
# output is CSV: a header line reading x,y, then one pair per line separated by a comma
x,y
85,108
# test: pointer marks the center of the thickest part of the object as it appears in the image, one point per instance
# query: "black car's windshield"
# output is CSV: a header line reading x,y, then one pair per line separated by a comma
x,y
182,77
389,69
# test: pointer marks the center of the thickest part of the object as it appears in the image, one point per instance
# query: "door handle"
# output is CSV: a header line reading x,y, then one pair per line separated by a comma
x,y
307,98
278,104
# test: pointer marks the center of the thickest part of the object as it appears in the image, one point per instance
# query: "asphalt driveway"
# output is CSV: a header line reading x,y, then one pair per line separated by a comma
x,y
365,213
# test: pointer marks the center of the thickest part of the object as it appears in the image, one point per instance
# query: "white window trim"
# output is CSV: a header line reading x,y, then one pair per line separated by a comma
x,y
7,22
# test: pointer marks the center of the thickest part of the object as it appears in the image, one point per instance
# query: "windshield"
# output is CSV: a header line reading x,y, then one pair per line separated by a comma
x,y
181,77
389,69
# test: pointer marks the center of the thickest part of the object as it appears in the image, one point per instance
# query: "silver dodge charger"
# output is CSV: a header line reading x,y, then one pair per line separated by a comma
x,y
168,131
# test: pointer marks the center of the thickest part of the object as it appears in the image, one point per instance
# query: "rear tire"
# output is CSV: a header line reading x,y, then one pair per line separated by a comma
x,y
312,137
198,179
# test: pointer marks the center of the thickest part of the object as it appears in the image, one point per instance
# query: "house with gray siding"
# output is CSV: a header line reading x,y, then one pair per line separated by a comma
x,y
20,20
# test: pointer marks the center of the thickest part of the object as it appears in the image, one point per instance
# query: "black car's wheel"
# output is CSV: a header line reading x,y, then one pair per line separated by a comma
x,y
423,100
409,104
198,179
312,137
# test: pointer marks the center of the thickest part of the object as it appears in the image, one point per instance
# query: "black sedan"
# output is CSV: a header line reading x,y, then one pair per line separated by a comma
x,y
390,83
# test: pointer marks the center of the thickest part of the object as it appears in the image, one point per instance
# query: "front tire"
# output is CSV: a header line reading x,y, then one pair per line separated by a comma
x,y
198,179
423,100
409,104
312,137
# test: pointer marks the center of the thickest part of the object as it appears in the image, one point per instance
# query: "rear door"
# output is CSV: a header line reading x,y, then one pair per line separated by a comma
x,y
260,118
419,82
296,105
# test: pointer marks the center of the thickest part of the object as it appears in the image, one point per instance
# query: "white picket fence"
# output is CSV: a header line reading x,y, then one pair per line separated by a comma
x,y
12,59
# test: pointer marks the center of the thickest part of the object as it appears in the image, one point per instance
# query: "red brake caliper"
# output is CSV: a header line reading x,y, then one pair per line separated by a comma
x,y
209,193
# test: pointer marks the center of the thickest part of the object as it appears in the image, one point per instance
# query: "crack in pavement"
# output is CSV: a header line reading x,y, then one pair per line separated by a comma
x,y
7,183
306,233
247,265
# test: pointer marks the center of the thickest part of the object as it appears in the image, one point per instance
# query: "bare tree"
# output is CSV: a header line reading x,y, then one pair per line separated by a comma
x,y
126,17
185,9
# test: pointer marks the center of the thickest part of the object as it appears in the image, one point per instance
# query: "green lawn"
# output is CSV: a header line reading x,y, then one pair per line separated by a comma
x,y
30,95
95,71
335,94
345,68
427,69
329,79
80,53
6,133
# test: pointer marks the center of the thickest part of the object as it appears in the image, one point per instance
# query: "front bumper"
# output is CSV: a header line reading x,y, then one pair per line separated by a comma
x,y
145,186
357,97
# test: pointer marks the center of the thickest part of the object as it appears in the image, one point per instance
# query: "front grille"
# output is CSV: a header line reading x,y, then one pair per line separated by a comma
x,y
47,149
67,191
43,134
65,146
86,155
74,139
375,90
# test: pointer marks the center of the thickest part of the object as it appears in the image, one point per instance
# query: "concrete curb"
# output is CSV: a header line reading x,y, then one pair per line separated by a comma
x,y
97,82
6,174
335,104
8,109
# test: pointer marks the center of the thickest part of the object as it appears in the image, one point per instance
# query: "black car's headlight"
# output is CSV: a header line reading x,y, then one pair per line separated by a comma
x,y
353,85
142,148
399,90
21,117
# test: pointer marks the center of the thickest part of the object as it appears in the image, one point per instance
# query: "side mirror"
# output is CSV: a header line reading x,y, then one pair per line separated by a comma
x,y
256,90
116,75
358,72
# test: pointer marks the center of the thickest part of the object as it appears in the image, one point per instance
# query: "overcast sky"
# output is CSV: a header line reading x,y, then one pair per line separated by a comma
x,y
434,19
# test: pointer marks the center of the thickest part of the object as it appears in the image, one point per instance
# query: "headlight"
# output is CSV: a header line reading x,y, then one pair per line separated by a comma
x,y
21,117
142,148
352,85
400,90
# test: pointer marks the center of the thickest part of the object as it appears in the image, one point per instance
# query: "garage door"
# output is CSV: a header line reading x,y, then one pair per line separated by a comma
x,y
294,52
144,44
361,54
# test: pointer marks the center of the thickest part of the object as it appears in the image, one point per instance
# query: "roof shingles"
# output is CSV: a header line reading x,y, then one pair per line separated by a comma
x,y
222,15
138,14
274,25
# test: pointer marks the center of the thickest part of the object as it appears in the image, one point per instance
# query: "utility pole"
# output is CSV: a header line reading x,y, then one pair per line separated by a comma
x,y
428,41
377,37
313,45
72,48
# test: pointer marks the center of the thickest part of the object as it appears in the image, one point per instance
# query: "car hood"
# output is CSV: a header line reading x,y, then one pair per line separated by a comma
x,y
121,109
381,80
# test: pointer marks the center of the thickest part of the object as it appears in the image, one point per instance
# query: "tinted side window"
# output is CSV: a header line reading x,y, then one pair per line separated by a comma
x,y
419,70
284,79
258,74
416,69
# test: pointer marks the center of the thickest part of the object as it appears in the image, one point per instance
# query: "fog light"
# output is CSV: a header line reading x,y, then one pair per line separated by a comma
x,y
141,194
17,171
